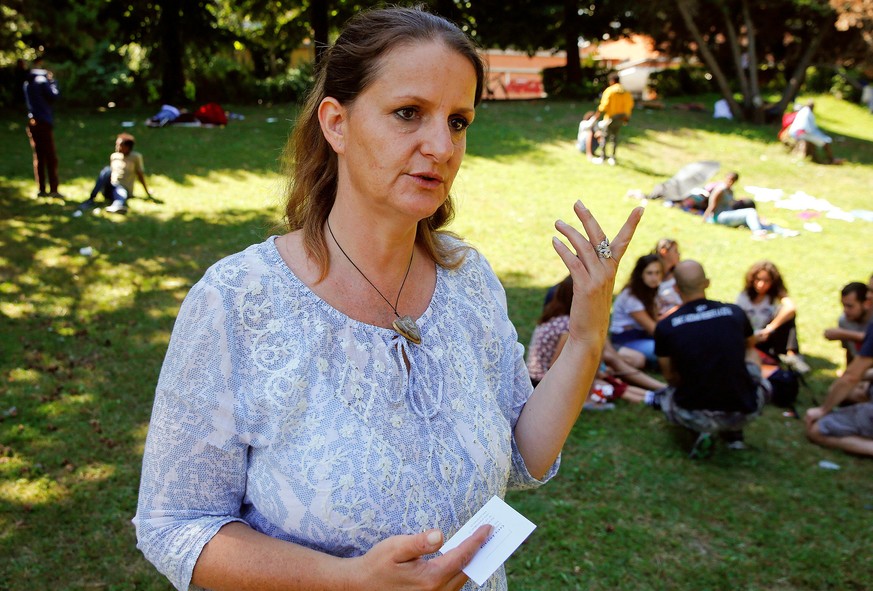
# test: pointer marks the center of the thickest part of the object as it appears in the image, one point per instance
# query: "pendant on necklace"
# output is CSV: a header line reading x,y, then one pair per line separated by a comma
x,y
407,328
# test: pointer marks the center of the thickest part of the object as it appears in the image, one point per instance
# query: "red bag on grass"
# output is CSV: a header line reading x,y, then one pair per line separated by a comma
x,y
211,114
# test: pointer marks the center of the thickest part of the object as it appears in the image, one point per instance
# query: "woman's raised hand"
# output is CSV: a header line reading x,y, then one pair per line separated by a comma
x,y
398,562
593,273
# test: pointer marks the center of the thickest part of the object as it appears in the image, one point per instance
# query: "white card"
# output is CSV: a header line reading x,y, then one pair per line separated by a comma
x,y
511,528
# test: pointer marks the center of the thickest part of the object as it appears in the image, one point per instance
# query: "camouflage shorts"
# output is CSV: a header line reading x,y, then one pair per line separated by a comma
x,y
716,421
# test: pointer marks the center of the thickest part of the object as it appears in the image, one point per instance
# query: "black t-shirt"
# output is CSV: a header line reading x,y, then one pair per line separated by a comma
x,y
706,343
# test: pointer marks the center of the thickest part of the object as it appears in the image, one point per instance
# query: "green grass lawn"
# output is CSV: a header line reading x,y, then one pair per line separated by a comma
x,y
82,339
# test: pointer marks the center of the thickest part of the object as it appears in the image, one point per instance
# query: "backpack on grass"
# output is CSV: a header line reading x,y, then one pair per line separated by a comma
x,y
786,387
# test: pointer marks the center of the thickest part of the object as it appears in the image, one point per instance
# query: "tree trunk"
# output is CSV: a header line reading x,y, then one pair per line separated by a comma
x,y
573,69
172,48
736,53
320,22
709,59
799,74
757,101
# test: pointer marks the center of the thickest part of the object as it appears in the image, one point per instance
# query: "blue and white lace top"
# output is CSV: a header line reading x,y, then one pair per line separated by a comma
x,y
275,409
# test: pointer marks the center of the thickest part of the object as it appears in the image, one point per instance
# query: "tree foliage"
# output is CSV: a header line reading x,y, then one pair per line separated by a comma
x,y
531,25
164,49
744,43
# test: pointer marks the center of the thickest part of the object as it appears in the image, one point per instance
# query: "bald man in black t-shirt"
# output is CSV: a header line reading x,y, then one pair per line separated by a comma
x,y
706,350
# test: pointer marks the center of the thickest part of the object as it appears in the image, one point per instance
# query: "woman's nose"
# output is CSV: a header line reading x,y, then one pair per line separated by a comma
x,y
438,142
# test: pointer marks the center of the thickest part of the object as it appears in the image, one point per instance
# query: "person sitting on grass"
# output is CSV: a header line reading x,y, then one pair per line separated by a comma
x,y
857,300
805,129
630,371
772,313
551,333
699,198
590,136
723,209
706,353
851,428
115,182
549,338
635,309
854,319
667,251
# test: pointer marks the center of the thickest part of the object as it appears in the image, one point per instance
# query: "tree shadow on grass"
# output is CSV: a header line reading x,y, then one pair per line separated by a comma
x,y
83,341
85,139
515,128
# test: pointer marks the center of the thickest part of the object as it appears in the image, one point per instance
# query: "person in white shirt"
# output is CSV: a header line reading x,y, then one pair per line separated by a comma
x,y
804,128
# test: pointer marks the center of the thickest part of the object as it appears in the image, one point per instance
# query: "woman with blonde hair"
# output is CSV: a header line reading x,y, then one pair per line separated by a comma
x,y
339,400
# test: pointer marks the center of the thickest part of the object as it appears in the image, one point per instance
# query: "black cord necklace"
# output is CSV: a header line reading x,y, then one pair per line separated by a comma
x,y
405,326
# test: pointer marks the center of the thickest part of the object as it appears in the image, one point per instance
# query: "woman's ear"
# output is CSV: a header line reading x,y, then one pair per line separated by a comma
x,y
332,118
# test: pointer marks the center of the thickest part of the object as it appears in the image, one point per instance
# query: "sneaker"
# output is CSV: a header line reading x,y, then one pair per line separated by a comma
x,y
795,362
56,195
653,399
597,160
42,194
86,205
611,161
117,206
702,447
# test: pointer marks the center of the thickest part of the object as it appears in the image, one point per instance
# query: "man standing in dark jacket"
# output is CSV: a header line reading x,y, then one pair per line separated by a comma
x,y
40,91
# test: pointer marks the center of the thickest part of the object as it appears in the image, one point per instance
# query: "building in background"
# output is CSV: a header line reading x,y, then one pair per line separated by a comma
x,y
517,75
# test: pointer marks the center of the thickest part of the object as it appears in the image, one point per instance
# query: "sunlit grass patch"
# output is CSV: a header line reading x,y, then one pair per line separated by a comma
x,y
82,338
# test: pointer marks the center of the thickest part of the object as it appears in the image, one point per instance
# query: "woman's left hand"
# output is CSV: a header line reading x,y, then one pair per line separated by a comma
x,y
593,272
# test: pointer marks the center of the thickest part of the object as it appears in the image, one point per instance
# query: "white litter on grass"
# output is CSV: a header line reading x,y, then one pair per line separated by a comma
x,y
812,227
763,193
802,201
86,251
839,214
828,465
862,214
271,119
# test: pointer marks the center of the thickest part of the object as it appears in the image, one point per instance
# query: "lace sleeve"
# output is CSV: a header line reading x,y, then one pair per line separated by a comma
x,y
519,477
194,468
516,380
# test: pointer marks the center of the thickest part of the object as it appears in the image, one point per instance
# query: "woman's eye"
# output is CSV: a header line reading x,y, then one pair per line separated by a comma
x,y
406,113
458,123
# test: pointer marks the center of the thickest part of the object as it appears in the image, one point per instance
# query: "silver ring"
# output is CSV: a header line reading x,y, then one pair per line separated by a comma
x,y
603,250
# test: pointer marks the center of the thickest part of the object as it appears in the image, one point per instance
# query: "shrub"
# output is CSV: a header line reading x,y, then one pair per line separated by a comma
x,y
291,86
818,80
11,94
220,80
684,80
844,85
226,80
592,82
96,80
839,82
